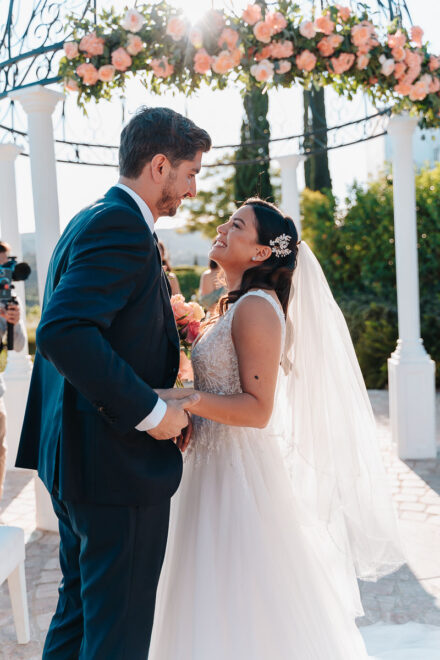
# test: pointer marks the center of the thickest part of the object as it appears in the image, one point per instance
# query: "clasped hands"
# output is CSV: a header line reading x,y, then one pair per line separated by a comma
x,y
177,422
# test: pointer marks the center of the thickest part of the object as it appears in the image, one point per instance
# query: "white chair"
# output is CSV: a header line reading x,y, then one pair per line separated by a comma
x,y
12,569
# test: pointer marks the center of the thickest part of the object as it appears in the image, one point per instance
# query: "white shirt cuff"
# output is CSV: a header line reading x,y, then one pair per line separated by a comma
x,y
154,418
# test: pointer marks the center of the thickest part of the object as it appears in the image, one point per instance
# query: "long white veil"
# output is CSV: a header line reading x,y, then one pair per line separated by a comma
x,y
328,433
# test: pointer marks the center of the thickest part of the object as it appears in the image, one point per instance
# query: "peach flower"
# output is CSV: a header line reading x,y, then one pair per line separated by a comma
x,y
176,28
263,71
228,39
307,29
343,62
434,85
283,66
419,90
344,13
388,65
264,54
263,31
281,49
399,70
324,24
252,14
416,35
434,63
89,74
71,49
360,34
161,67
396,39
181,309
202,61
362,61
121,60
133,20
222,63
106,72
373,80
403,88
80,70
92,45
276,21
71,85
306,61
328,45
196,37
198,313
236,55
398,53
134,44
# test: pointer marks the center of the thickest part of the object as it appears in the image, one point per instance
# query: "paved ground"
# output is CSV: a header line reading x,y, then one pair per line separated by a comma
x,y
412,593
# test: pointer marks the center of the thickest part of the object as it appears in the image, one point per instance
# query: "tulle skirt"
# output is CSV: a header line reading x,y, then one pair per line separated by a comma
x,y
242,579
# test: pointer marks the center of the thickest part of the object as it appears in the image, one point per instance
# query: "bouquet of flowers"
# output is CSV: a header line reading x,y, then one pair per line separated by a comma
x,y
188,318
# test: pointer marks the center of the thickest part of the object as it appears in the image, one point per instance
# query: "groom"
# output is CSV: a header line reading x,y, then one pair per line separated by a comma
x,y
94,427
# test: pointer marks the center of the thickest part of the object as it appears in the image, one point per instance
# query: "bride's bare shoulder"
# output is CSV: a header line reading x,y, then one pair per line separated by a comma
x,y
255,315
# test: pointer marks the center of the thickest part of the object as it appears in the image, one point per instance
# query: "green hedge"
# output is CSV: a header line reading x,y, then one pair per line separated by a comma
x,y
189,279
355,245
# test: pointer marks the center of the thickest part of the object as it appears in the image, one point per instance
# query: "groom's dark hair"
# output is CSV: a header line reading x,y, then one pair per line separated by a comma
x,y
154,131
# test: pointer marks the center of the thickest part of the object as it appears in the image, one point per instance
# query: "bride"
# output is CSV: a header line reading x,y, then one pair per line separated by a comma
x,y
283,501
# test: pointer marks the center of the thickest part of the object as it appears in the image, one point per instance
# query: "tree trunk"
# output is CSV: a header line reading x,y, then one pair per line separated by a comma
x,y
316,169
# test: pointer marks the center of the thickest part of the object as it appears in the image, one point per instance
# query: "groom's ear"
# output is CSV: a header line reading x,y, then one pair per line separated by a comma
x,y
160,168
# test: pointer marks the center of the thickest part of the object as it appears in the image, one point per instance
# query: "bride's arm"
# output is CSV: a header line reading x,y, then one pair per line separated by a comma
x,y
256,332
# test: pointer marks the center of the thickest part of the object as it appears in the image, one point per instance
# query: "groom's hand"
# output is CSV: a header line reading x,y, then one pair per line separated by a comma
x,y
175,418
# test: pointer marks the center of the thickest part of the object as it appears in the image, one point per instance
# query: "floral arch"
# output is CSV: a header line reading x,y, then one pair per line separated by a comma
x,y
267,48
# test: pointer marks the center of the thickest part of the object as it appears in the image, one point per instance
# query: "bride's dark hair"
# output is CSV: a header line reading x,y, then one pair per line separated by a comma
x,y
276,272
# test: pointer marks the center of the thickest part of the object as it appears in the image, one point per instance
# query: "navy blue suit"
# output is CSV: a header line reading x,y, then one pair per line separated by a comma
x,y
107,337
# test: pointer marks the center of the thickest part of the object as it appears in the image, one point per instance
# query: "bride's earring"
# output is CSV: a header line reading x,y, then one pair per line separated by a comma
x,y
254,258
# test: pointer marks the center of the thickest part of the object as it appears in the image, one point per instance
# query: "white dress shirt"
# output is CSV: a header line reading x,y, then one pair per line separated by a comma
x,y
158,413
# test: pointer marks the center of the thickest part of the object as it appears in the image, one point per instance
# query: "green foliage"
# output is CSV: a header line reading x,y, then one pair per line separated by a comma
x,y
253,179
356,249
189,279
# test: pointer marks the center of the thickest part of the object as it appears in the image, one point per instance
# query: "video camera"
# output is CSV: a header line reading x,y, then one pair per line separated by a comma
x,y
11,271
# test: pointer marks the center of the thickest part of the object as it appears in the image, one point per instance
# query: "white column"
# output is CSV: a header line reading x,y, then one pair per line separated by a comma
x,y
39,104
18,370
289,187
411,372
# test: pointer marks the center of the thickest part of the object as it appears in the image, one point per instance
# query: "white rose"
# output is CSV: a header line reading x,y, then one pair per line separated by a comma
x,y
388,65
133,20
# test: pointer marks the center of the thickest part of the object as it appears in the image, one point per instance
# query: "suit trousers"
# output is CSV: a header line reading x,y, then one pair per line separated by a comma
x,y
111,558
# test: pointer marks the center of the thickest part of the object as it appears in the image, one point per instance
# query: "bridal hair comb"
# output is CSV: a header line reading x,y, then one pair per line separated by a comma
x,y
279,245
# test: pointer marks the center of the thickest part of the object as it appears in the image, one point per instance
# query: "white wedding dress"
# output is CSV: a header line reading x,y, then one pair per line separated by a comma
x,y
242,578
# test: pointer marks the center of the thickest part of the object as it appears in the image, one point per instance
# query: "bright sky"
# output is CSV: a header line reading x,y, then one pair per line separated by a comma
x,y
218,112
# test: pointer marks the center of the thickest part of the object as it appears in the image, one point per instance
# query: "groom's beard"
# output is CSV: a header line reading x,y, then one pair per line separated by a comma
x,y
169,202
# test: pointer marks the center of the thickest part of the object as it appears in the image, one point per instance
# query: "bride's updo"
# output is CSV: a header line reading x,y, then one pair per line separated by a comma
x,y
276,272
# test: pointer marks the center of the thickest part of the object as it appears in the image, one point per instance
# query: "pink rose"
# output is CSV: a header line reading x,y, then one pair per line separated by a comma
x,y
360,34
121,60
197,311
176,28
133,21
396,39
398,53
262,71
276,21
362,61
416,35
414,63
252,14
92,45
90,75
202,61
71,85
399,70
106,72
307,29
419,90
228,39
71,49
324,24
283,66
134,44
343,62
222,63
263,31
192,331
344,13
161,67
328,45
306,61
281,49
403,88
236,55
196,37
81,69
434,85
180,308
264,54
388,65
434,63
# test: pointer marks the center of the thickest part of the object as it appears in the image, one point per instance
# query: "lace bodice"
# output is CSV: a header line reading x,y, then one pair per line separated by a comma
x,y
215,366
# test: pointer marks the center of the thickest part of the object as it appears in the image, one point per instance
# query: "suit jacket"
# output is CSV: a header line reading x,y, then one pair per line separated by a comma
x,y
107,336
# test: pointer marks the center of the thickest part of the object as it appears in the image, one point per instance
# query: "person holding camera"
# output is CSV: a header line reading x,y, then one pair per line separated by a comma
x,y
10,314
